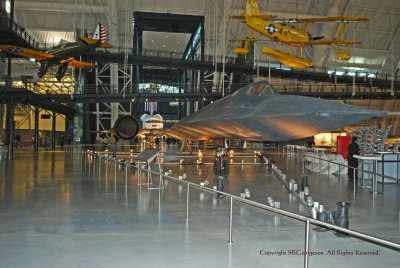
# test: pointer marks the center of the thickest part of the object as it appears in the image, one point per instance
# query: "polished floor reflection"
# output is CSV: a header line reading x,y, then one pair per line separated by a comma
x,y
59,210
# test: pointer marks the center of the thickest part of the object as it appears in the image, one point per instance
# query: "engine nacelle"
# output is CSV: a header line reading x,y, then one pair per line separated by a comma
x,y
126,127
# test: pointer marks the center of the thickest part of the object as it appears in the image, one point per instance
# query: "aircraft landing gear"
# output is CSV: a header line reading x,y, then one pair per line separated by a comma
x,y
221,168
61,71
220,185
44,65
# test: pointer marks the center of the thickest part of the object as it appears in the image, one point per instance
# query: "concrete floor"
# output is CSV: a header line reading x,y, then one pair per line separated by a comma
x,y
57,212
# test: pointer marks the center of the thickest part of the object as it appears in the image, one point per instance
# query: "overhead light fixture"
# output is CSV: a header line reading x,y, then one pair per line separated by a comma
x,y
164,46
178,42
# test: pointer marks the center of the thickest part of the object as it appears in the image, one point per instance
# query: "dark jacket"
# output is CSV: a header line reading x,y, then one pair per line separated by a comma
x,y
354,149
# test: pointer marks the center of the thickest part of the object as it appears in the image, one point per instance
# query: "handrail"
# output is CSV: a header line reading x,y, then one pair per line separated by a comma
x,y
233,59
14,26
307,220
359,169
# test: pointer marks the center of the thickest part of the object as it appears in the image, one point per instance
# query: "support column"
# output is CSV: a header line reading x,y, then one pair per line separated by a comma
x,y
113,29
2,65
114,89
1,122
180,85
67,118
10,127
53,131
36,130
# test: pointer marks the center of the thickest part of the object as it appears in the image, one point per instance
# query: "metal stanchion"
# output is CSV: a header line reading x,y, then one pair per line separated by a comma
x,y
307,243
107,167
126,174
329,168
319,161
94,165
115,168
187,201
230,222
354,179
374,179
99,166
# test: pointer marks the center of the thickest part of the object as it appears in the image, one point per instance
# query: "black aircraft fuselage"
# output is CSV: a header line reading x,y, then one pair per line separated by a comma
x,y
67,51
257,112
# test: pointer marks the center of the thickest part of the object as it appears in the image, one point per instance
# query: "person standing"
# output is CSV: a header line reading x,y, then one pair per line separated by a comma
x,y
33,141
17,139
354,149
62,140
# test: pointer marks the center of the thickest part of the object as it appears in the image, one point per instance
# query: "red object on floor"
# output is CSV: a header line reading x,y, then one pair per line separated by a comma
x,y
342,145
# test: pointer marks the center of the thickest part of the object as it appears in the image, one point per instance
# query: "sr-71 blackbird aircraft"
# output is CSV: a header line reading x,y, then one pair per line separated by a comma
x,y
63,54
257,112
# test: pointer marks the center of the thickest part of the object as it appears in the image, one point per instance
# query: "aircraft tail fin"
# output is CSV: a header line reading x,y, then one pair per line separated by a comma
x,y
100,33
252,8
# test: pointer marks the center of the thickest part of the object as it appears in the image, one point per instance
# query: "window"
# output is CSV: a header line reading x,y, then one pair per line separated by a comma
x,y
260,90
8,6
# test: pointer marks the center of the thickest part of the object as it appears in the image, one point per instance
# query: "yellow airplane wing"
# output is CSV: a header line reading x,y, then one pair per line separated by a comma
x,y
81,64
26,52
241,17
90,41
325,42
253,40
323,19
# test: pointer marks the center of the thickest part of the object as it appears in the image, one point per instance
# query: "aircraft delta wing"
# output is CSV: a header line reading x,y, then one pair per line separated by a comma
x,y
257,112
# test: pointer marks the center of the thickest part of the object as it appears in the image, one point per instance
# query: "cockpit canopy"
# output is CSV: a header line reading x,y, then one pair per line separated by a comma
x,y
263,88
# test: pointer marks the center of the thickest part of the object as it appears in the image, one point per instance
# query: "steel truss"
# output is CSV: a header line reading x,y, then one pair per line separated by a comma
x,y
108,80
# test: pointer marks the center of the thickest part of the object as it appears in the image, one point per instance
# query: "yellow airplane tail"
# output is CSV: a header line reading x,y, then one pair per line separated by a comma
x,y
252,8
90,41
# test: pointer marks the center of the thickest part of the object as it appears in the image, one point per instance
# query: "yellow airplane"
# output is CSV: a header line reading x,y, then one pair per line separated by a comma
x,y
64,54
282,31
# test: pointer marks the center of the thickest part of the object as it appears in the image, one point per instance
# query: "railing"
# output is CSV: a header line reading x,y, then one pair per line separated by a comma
x,y
372,239
208,87
258,63
374,174
13,26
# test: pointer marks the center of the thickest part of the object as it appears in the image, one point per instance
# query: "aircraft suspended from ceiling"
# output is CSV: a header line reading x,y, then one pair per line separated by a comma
x,y
63,54
295,38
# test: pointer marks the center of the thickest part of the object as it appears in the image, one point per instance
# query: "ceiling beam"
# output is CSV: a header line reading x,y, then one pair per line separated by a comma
x,y
58,7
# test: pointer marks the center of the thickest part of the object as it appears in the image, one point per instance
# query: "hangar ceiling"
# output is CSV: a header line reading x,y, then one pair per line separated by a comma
x,y
379,50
